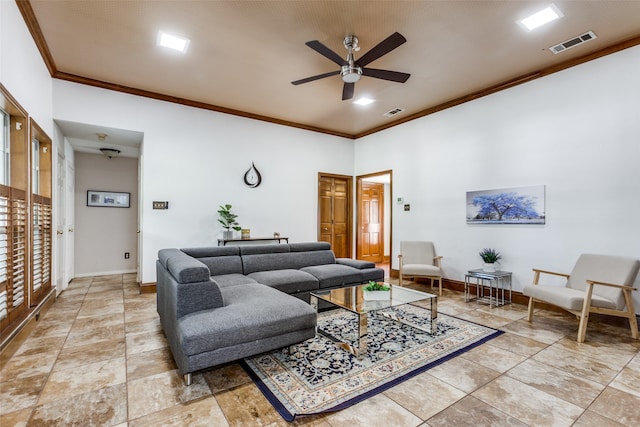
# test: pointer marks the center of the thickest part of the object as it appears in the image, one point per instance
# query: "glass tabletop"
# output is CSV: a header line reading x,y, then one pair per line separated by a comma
x,y
479,272
352,298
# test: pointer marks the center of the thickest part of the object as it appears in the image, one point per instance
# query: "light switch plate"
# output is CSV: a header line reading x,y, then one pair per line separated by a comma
x,y
160,205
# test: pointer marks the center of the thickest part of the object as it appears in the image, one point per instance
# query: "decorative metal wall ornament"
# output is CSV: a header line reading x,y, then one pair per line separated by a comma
x,y
252,177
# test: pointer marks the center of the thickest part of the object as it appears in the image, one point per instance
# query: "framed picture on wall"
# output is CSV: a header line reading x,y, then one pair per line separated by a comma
x,y
107,199
521,205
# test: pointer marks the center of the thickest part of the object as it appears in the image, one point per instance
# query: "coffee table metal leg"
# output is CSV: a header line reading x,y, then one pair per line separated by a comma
x,y
434,315
361,349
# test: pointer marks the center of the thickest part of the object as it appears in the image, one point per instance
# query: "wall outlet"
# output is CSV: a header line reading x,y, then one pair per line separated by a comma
x,y
126,255
160,205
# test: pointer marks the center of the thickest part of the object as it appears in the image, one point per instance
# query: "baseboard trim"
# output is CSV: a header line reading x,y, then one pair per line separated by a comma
x,y
148,288
33,314
105,273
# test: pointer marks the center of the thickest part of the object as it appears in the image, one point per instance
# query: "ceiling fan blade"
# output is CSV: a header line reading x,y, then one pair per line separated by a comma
x,y
347,91
318,77
382,48
394,76
326,52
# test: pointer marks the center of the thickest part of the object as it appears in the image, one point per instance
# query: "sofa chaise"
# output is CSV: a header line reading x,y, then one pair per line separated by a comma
x,y
219,304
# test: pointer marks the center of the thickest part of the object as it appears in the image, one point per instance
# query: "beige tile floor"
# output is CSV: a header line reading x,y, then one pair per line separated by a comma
x,y
98,357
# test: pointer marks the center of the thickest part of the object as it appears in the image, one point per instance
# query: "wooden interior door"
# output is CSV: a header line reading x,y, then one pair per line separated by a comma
x,y
371,222
334,213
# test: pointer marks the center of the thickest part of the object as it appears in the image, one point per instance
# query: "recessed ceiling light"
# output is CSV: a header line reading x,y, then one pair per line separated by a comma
x,y
364,101
173,42
546,15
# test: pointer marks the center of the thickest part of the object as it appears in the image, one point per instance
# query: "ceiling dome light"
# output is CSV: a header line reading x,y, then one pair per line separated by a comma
x,y
110,152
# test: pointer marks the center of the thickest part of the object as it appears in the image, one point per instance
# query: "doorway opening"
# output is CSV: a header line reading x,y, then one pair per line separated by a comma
x,y
374,218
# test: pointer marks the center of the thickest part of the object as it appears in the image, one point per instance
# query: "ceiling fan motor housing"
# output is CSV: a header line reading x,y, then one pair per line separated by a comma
x,y
351,73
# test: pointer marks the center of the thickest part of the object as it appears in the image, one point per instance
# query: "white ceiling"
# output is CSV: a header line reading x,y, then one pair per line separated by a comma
x,y
243,55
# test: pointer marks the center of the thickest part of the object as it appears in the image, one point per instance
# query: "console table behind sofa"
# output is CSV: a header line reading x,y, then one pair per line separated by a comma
x,y
223,242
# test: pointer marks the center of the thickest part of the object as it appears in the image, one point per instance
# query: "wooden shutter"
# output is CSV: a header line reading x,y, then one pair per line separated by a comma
x,y
13,223
41,248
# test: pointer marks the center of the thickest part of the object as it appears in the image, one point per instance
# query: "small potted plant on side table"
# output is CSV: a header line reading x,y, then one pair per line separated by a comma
x,y
228,221
375,291
490,257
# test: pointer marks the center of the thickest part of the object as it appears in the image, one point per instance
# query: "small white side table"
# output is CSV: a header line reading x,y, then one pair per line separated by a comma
x,y
491,286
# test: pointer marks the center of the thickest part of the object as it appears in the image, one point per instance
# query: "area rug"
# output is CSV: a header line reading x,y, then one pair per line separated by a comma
x,y
317,376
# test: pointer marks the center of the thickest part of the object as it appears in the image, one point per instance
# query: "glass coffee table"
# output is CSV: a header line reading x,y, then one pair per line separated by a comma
x,y
352,299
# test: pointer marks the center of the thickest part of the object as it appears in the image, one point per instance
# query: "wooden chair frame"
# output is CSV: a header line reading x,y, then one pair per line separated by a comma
x,y
583,315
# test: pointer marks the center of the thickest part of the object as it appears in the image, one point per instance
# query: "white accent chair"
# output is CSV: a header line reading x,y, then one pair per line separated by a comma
x,y
598,284
419,259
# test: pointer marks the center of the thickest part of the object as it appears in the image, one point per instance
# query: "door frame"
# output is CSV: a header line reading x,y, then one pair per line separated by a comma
x,y
359,180
61,223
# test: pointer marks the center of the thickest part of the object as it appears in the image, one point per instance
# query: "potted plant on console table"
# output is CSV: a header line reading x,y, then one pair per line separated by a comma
x,y
375,291
228,221
490,257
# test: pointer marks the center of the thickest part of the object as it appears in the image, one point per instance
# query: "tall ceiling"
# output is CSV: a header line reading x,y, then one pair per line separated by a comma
x,y
243,55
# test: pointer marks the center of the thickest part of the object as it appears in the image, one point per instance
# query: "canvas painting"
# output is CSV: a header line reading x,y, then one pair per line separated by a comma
x,y
522,205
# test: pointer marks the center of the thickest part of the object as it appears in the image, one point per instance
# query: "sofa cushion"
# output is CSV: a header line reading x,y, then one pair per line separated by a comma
x,y
284,261
376,274
251,312
289,281
223,264
234,279
309,246
355,263
210,251
263,249
334,275
220,260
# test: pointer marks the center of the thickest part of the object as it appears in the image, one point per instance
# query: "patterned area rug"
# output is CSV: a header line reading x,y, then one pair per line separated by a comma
x,y
318,376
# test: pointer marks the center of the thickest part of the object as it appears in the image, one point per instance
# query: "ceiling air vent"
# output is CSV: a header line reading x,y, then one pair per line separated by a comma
x,y
561,47
394,112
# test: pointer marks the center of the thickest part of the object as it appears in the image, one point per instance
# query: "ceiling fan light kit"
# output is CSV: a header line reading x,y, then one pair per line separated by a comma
x,y
351,69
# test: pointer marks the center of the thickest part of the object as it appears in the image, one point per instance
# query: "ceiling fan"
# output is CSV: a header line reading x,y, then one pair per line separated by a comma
x,y
351,69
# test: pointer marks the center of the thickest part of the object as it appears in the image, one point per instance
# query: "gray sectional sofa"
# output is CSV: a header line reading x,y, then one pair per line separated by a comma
x,y
219,304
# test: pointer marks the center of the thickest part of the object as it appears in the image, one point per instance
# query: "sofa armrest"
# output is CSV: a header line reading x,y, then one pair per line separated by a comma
x,y
184,286
360,265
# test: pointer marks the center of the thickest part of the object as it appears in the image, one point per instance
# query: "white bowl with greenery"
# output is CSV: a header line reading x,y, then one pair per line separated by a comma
x,y
375,291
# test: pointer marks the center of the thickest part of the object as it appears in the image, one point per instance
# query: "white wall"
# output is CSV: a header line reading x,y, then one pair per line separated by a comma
x,y
22,70
196,159
576,132
102,235
24,74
